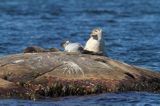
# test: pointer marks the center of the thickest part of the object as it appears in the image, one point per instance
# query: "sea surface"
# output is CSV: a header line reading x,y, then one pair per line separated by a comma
x,y
131,29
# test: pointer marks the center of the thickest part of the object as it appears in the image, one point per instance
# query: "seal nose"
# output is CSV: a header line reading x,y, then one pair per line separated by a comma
x,y
95,37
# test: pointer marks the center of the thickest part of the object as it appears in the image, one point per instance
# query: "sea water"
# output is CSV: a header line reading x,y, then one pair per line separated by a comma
x,y
131,30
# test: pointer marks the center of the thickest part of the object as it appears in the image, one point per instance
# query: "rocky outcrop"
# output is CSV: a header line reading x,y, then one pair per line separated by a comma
x,y
53,74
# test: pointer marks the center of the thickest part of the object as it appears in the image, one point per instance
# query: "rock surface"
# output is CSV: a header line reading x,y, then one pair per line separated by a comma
x,y
53,74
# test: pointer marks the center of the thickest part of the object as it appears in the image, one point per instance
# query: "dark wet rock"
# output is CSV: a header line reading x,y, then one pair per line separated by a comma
x,y
54,74
37,49
34,49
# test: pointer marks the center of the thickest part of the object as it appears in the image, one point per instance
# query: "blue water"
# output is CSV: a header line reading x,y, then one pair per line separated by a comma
x,y
122,99
131,30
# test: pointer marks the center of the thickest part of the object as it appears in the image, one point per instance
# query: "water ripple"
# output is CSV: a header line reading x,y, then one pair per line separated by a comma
x,y
131,30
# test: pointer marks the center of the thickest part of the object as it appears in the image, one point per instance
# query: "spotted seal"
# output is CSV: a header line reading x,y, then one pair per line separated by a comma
x,y
96,42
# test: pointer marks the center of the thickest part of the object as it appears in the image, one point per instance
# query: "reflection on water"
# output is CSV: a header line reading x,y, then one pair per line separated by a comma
x,y
131,29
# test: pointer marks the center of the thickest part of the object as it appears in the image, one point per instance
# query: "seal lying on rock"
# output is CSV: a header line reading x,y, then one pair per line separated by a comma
x,y
94,46
72,47
96,42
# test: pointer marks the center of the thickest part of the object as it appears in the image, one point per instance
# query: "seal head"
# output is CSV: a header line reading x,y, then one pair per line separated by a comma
x,y
96,34
72,47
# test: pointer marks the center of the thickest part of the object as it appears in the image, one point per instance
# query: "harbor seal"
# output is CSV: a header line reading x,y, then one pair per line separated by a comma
x,y
72,47
96,42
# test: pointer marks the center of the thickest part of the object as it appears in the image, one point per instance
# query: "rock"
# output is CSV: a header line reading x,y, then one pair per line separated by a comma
x,y
54,74
37,49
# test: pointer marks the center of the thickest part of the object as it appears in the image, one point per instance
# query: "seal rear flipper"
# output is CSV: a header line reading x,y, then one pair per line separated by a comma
x,y
92,53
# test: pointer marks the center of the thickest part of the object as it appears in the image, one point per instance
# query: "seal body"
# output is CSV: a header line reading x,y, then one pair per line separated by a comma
x,y
72,47
96,42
